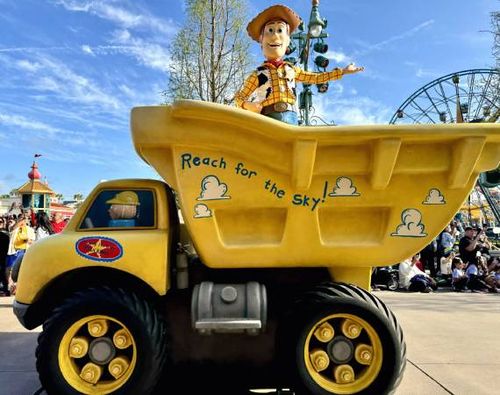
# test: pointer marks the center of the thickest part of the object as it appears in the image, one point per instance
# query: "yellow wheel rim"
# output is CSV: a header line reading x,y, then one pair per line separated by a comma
x,y
352,358
97,355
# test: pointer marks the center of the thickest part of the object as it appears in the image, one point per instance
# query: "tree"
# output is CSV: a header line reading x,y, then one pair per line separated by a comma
x,y
78,196
59,196
495,23
210,54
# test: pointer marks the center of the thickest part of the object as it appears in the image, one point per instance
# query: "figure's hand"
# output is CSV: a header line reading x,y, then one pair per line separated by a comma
x,y
252,106
351,69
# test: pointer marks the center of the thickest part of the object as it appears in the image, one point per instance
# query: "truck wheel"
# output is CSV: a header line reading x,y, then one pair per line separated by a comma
x,y
102,341
340,339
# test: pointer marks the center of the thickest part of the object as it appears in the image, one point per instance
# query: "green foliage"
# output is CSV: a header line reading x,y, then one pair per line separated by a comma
x,y
210,54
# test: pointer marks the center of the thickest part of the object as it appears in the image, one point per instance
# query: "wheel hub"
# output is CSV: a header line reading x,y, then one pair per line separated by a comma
x,y
102,351
341,350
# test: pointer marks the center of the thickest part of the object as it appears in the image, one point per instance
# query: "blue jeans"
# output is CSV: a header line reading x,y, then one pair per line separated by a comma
x,y
9,261
286,116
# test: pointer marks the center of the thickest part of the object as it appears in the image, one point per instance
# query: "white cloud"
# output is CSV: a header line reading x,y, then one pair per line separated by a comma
x,y
86,49
377,46
339,57
55,76
149,54
146,51
336,87
124,18
25,123
422,73
75,5
127,91
31,49
32,128
351,111
28,66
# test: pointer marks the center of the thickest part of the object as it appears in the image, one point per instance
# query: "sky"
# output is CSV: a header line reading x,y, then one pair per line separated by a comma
x,y
71,71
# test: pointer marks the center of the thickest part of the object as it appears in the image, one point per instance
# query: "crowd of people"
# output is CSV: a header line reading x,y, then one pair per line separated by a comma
x,y
18,231
461,258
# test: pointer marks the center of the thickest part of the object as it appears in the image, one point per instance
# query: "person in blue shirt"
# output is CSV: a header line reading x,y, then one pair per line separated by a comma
x,y
123,210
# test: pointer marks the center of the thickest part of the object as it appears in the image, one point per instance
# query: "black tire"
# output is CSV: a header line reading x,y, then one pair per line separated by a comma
x,y
337,299
393,284
145,325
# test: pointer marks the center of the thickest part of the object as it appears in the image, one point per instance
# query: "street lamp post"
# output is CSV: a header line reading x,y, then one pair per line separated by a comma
x,y
315,32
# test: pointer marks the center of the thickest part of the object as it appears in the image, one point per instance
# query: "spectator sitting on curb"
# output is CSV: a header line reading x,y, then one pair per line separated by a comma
x,y
486,274
459,279
427,257
413,279
494,269
476,276
445,265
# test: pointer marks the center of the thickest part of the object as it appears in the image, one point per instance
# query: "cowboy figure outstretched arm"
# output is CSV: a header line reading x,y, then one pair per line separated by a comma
x,y
272,85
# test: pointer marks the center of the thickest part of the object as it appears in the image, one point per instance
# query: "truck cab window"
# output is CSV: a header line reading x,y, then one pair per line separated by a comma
x,y
117,208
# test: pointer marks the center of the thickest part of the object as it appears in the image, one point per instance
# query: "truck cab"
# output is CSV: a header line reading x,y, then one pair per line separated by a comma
x,y
94,248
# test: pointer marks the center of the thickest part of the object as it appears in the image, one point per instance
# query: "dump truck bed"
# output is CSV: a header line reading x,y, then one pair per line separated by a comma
x,y
255,192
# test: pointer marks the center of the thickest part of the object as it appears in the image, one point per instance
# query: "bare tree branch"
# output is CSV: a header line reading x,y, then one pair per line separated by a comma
x,y
211,52
495,24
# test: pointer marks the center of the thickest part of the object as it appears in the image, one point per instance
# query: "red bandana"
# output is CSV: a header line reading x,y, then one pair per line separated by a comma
x,y
276,62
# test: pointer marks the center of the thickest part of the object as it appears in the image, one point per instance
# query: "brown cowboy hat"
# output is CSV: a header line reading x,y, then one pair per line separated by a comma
x,y
273,13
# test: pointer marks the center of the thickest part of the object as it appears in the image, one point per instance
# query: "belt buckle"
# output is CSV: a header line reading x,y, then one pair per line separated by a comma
x,y
280,107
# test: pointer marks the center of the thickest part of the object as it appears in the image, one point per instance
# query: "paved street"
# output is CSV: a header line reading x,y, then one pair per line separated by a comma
x,y
453,344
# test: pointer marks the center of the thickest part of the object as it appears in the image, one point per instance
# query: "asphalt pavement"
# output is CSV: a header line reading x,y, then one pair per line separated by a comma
x,y
452,339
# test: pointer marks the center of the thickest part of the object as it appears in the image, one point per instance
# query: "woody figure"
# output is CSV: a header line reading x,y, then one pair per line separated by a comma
x,y
272,85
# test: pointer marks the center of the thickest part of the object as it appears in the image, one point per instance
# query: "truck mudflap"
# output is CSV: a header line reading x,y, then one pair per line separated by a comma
x,y
21,310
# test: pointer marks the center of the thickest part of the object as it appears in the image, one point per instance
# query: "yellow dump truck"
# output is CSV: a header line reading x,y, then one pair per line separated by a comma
x,y
255,252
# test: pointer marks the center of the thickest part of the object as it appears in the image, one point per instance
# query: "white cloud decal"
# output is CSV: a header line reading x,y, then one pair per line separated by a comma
x,y
212,189
434,197
411,225
202,211
344,187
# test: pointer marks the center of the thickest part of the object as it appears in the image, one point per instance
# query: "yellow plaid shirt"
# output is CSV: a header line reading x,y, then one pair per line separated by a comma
x,y
280,89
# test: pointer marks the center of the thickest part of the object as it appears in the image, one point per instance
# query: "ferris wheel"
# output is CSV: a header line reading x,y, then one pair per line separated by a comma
x,y
464,96
461,97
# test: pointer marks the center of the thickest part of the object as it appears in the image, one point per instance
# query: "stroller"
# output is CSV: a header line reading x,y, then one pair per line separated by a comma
x,y
385,277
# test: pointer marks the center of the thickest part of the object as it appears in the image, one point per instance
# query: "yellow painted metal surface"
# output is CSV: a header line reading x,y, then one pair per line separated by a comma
x,y
144,251
256,192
